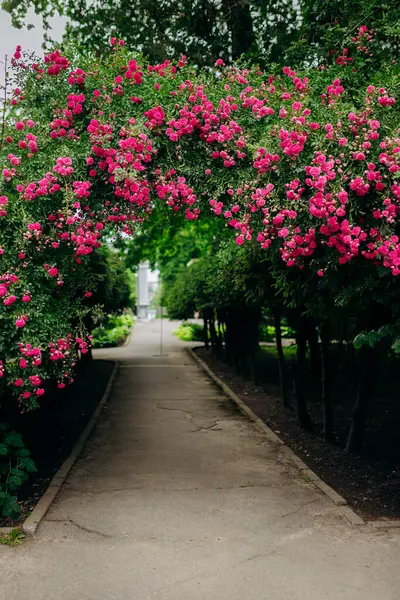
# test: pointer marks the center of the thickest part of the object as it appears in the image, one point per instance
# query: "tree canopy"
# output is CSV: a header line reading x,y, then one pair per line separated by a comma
x,y
205,30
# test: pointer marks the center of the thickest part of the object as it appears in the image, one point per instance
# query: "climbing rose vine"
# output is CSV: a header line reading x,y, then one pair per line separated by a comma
x,y
306,164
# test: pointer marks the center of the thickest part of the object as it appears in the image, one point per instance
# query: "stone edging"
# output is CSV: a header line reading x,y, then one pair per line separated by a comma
x,y
308,473
33,521
130,334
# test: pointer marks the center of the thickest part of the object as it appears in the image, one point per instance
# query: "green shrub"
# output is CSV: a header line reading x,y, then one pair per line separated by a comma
x,y
190,332
267,332
15,466
113,332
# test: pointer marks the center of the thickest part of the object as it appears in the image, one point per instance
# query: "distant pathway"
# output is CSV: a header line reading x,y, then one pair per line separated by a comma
x,y
178,497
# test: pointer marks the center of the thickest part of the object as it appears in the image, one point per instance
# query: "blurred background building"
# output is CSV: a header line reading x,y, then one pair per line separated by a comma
x,y
147,286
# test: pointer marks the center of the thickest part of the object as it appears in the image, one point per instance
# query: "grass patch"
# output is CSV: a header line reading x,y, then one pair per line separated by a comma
x,y
288,351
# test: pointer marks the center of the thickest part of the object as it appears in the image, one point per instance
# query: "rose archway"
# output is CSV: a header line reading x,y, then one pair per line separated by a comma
x,y
306,164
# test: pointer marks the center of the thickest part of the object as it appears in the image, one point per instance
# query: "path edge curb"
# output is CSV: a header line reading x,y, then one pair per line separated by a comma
x,y
128,339
31,523
311,476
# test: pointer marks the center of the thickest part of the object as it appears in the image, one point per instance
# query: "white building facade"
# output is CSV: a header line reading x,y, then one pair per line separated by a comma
x,y
147,283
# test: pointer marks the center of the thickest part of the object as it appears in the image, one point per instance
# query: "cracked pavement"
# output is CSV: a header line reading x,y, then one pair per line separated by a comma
x,y
177,496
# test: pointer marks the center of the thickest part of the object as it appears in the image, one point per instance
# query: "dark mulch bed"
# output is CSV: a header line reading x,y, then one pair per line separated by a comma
x,y
51,431
370,482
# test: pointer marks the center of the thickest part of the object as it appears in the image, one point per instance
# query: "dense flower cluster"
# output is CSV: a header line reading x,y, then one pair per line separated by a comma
x,y
301,164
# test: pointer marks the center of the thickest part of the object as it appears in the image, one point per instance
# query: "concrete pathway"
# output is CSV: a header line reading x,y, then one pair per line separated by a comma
x,y
178,497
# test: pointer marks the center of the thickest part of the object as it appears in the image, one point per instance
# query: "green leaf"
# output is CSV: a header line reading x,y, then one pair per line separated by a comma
x,y
396,346
373,338
3,450
28,465
10,507
14,482
360,340
14,439
24,452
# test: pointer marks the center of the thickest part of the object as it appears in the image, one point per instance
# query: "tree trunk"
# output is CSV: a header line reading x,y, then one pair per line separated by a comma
x,y
244,363
253,366
240,23
327,382
205,329
281,359
300,376
213,334
312,337
360,412
227,339
220,345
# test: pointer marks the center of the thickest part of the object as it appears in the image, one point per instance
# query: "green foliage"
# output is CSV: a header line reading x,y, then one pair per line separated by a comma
x,y
116,283
188,292
328,26
214,281
170,242
14,538
267,332
389,335
114,331
204,30
15,467
190,332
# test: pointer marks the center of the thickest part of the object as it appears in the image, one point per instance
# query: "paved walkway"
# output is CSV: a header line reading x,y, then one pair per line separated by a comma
x,y
179,497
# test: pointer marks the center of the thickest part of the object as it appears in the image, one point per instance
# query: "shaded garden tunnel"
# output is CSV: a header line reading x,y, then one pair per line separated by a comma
x,y
310,244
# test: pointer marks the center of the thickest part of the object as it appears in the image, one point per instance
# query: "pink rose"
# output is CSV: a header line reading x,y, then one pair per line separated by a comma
x,y
10,300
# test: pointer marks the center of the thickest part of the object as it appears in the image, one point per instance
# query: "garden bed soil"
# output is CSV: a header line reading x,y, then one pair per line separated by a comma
x,y
51,431
370,482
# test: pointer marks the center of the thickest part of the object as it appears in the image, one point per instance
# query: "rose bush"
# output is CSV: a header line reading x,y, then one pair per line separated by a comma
x,y
305,163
